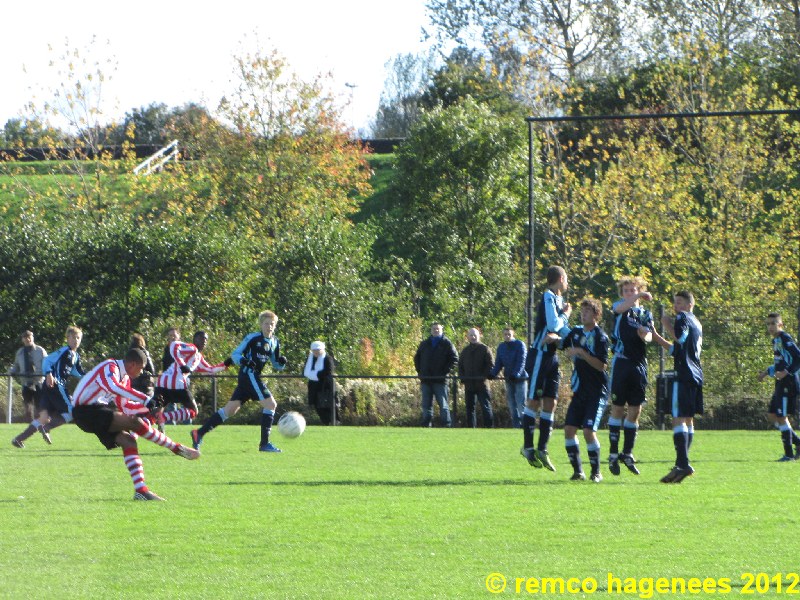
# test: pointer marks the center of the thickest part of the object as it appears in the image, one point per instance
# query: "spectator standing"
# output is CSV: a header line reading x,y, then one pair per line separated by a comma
x,y
435,358
511,355
475,365
28,368
321,387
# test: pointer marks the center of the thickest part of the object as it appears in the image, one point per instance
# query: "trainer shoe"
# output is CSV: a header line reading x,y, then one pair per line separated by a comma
x,y
544,457
269,447
613,464
670,477
187,453
196,439
628,461
683,474
45,435
580,476
596,478
530,456
148,495
783,458
17,443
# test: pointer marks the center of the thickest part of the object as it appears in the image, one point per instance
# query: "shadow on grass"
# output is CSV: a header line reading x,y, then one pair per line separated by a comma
x,y
409,483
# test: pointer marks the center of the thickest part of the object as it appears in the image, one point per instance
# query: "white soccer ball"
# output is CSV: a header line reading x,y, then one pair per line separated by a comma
x,y
291,424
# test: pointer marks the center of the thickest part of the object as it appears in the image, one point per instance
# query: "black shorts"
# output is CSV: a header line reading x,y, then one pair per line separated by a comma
x,y
250,387
784,400
30,394
97,419
54,400
584,412
628,382
545,377
183,397
687,399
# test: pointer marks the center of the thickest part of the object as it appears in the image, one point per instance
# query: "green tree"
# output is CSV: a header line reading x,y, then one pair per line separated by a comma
x,y
399,106
459,212
281,151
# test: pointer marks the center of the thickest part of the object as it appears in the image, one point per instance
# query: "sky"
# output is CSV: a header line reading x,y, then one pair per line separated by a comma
x,y
174,51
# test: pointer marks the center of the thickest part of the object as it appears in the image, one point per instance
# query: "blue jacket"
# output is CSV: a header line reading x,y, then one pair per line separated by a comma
x,y
511,358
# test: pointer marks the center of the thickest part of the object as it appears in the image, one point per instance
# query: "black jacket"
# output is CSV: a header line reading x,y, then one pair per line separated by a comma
x,y
433,364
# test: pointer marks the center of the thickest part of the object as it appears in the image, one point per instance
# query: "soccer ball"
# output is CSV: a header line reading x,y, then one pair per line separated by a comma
x,y
291,424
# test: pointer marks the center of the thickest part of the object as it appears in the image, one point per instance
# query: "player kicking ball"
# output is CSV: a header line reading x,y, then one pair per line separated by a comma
x,y
106,405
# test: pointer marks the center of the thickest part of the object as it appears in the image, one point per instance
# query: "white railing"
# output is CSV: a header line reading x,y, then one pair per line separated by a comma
x,y
159,159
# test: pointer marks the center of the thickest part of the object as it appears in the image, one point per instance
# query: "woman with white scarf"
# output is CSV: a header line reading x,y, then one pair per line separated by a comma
x,y
319,372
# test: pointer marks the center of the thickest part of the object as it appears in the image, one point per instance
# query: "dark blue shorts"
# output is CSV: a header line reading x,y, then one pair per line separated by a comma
x,y
628,382
687,399
584,412
545,377
250,387
784,400
54,400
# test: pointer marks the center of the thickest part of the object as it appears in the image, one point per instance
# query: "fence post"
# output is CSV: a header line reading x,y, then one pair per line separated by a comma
x,y
214,391
10,396
660,378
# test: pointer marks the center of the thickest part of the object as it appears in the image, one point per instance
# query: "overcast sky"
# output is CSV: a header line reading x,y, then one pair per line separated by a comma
x,y
174,51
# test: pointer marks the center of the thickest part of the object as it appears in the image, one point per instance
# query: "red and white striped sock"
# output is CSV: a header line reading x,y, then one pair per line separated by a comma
x,y
134,464
180,414
155,436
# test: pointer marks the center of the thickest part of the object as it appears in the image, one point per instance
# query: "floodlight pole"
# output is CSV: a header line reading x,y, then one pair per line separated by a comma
x,y
531,240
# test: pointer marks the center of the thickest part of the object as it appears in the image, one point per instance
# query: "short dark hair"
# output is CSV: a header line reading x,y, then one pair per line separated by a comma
x,y
594,304
686,295
136,356
555,273
777,316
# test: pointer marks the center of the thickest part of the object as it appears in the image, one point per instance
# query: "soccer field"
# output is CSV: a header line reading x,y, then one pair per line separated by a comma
x,y
393,513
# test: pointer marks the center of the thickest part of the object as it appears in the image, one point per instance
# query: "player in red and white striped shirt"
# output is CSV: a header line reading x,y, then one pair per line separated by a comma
x,y
173,384
106,405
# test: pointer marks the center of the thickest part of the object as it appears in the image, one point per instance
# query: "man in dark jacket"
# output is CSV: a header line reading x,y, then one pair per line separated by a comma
x,y
474,367
435,358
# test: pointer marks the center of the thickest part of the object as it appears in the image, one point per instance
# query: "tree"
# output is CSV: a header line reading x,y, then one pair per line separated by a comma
x,y
399,105
280,152
459,197
563,36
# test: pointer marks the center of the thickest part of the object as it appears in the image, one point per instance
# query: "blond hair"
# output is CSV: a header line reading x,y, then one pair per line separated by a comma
x,y
639,282
74,329
267,315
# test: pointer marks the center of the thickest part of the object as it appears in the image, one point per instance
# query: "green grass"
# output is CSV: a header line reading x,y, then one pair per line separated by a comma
x,y
383,513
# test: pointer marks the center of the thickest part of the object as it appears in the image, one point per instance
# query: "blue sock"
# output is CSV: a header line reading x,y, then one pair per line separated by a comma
x,y
614,427
267,416
680,437
545,427
528,426
630,430
594,457
574,454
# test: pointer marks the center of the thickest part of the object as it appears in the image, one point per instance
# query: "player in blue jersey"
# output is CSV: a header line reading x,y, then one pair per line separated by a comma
x,y
587,346
633,329
55,403
687,391
552,325
255,351
787,381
